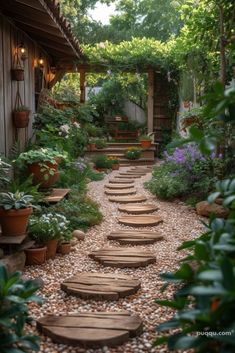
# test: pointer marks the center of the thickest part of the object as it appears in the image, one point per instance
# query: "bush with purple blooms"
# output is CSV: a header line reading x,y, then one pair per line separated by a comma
x,y
185,172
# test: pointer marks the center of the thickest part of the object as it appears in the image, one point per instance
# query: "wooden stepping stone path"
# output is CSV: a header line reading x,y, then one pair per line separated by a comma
x,y
140,221
100,286
94,329
128,199
133,237
121,181
121,192
119,186
133,173
138,209
123,257
127,176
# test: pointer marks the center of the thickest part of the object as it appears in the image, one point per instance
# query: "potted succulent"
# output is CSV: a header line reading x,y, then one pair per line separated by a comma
x,y
42,164
101,163
133,153
21,116
100,143
145,141
65,244
92,144
15,209
46,230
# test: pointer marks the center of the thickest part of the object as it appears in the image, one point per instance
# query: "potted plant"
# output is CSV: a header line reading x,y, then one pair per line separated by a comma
x,y
65,244
42,164
145,141
92,144
133,153
15,209
46,230
114,162
101,163
100,143
21,116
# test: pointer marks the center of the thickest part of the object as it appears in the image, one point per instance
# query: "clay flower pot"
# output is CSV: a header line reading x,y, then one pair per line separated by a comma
x,y
64,248
17,74
21,118
115,166
92,147
43,177
35,256
100,169
51,248
146,144
14,222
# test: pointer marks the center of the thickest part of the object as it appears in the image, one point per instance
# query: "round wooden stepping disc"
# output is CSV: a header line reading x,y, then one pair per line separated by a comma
x,y
140,221
121,192
123,257
119,186
133,173
128,199
94,329
100,286
134,237
121,181
138,209
127,176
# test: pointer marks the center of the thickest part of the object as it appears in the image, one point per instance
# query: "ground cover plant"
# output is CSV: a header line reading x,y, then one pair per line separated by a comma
x,y
185,172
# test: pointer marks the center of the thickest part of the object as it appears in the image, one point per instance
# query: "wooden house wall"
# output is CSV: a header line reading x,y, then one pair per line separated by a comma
x,y
10,38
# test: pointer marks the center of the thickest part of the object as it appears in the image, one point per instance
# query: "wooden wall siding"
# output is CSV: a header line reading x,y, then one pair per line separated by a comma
x,y
10,37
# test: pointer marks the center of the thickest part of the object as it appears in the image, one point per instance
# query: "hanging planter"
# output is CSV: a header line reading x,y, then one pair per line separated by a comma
x,y
20,113
17,74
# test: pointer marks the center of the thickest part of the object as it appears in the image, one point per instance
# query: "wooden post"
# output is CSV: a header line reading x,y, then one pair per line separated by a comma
x,y
150,99
82,85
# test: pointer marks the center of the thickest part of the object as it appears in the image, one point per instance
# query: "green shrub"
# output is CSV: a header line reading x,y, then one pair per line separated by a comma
x,y
133,153
15,294
101,161
100,143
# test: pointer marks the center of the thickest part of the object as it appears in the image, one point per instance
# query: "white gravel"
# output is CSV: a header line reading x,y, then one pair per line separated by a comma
x,y
180,223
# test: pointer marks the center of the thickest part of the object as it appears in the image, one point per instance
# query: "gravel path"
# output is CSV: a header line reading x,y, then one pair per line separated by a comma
x,y
180,223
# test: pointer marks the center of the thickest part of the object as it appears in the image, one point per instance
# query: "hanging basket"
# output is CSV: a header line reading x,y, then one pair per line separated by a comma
x,y
21,119
17,74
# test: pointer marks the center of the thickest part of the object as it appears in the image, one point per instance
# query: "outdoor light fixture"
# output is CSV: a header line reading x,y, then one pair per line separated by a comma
x,y
41,62
22,51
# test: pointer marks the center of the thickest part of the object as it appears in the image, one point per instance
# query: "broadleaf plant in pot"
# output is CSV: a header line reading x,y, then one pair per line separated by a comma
x,y
15,209
46,230
42,164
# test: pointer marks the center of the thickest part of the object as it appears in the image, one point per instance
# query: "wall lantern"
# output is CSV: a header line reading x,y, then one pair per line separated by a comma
x,y
50,76
22,52
41,62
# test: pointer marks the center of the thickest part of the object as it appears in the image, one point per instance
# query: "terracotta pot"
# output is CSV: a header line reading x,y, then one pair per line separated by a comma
x,y
101,169
115,166
146,144
17,74
64,248
35,256
51,248
92,147
21,119
14,222
39,175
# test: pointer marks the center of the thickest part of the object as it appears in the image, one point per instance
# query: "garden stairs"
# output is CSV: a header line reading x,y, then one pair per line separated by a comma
x,y
118,149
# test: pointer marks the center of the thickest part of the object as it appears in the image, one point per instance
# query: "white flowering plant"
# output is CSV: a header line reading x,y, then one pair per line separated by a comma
x,y
47,227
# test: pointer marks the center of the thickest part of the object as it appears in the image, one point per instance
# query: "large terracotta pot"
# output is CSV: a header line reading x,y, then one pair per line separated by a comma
x,y
64,248
51,248
101,169
35,256
15,222
146,144
92,147
39,175
21,119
